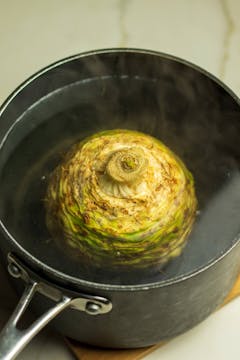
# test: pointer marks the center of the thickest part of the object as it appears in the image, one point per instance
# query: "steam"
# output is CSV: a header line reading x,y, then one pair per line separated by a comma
x,y
169,100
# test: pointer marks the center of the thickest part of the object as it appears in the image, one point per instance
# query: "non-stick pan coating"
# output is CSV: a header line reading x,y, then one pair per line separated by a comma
x,y
187,110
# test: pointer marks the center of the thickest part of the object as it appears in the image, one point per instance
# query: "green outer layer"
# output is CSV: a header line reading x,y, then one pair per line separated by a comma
x,y
151,246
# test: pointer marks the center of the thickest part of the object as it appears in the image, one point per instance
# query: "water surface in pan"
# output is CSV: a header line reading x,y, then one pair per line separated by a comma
x,y
201,125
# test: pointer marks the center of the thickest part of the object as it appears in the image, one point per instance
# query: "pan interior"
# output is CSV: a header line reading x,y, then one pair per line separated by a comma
x,y
186,110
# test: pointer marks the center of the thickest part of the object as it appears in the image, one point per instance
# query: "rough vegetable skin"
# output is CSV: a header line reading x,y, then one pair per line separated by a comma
x,y
121,199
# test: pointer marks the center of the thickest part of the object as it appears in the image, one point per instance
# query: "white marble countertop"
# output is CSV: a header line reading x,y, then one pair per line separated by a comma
x,y
36,33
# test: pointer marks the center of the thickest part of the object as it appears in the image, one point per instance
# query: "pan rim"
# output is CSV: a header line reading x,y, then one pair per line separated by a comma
x,y
78,281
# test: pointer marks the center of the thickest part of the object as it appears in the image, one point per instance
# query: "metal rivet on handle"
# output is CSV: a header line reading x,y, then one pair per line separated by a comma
x,y
93,308
14,270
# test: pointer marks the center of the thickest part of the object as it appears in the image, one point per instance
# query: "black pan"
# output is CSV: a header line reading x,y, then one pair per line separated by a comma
x,y
190,111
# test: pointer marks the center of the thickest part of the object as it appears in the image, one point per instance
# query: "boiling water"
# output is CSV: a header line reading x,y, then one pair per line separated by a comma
x,y
199,135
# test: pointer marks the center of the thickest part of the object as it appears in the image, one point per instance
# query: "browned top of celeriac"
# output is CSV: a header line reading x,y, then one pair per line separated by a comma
x,y
107,199
122,195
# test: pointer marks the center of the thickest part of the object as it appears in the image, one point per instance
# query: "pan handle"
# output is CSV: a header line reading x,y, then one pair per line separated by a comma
x,y
13,339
